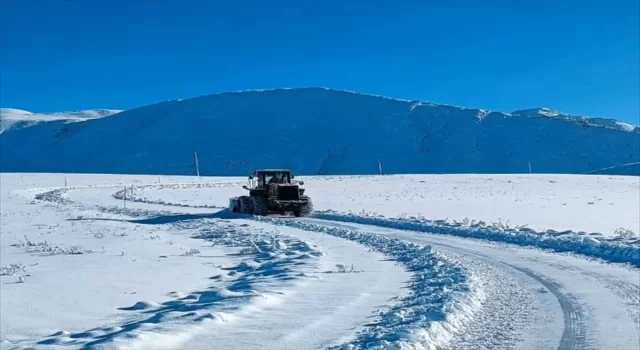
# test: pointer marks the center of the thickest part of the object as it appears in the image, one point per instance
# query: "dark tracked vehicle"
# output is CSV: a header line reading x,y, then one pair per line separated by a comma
x,y
272,191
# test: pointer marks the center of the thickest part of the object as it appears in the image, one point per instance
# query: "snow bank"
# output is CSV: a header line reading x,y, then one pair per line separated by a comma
x,y
620,250
442,299
318,131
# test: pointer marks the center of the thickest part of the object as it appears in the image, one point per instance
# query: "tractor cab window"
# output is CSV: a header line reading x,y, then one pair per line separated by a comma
x,y
276,178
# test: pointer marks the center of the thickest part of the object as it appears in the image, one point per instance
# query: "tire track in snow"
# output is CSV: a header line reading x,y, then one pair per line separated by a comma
x,y
589,323
628,293
566,336
631,296
488,332
176,325
271,262
443,298
574,336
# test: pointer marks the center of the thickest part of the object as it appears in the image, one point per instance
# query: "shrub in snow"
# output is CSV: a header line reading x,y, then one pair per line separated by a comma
x,y
344,269
12,269
74,249
53,249
190,252
624,232
506,226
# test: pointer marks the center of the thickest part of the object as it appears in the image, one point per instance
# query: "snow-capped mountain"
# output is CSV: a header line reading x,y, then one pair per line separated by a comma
x,y
322,131
600,122
12,118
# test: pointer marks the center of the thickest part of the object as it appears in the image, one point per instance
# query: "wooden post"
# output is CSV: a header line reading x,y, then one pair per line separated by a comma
x,y
195,154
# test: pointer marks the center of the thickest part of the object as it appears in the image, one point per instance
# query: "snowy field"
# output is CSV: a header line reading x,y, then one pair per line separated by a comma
x,y
594,204
412,262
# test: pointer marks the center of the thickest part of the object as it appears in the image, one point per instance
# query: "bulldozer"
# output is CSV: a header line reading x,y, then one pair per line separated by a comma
x,y
272,191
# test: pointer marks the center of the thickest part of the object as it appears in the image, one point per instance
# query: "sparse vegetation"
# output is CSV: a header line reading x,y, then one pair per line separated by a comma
x,y
53,249
344,269
469,222
624,232
190,252
506,226
12,269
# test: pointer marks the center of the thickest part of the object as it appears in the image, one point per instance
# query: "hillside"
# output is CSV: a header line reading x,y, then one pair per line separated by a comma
x,y
322,131
13,119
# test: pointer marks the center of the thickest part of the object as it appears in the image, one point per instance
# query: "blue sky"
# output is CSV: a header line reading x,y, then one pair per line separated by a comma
x,y
578,57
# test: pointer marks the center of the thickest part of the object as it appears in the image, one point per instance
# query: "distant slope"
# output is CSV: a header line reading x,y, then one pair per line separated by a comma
x,y
602,122
319,131
12,119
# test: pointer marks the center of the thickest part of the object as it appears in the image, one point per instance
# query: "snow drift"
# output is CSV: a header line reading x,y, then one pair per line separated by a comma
x,y
322,131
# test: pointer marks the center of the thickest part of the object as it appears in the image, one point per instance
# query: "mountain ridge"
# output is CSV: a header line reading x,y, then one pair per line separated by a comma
x,y
14,118
321,131
528,112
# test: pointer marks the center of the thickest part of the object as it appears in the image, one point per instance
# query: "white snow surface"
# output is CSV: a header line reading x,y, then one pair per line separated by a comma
x,y
588,203
386,262
13,119
149,277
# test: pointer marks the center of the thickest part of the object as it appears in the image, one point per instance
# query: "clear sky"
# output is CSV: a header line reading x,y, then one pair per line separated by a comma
x,y
579,57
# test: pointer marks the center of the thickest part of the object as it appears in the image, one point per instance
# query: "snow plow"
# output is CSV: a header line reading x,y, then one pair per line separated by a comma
x,y
272,191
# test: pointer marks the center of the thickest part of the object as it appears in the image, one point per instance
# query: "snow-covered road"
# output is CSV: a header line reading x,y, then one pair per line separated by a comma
x,y
560,301
274,283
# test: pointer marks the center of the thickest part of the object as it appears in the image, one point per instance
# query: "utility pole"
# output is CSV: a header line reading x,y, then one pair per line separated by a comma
x,y
195,154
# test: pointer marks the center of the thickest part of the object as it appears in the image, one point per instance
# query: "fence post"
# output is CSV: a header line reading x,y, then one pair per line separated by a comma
x,y
195,154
